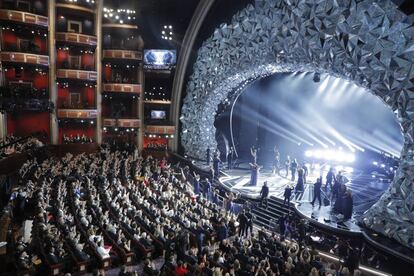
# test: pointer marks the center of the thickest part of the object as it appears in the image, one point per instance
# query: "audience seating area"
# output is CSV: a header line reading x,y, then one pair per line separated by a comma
x,y
15,144
115,211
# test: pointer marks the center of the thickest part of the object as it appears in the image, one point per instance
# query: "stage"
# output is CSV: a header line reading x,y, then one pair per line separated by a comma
x,y
365,190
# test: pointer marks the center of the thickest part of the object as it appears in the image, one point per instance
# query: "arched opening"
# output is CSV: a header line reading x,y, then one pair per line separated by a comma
x,y
305,113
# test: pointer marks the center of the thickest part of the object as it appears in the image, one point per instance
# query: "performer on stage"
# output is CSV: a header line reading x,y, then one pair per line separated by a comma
x,y
299,185
293,168
230,156
329,178
305,172
216,164
253,152
317,192
276,162
287,194
264,193
254,174
287,165
348,203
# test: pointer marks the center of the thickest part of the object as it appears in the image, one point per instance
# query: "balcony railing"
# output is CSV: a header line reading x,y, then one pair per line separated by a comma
x,y
122,88
76,74
122,54
155,129
24,17
76,38
76,7
122,122
157,102
77,113
24,58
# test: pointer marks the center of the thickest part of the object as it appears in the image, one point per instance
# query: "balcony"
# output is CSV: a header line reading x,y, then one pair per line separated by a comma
x,y
122,54
122,88
157,102
24,17
24,58
133,123
76,38
155,129
77,113
76,74
76,7
121,26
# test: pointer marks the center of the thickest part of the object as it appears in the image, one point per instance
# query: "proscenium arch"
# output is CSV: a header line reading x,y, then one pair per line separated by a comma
x,y
367,42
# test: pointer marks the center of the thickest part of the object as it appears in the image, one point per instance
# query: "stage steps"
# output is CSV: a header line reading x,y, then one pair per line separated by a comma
x,y
275,210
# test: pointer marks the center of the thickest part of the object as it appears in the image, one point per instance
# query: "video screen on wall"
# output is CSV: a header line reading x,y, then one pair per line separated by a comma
x,y
158,115
159,59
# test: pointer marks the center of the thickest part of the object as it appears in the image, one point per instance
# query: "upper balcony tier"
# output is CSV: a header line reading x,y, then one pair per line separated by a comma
x,y
157,102
122,54
77,113
76,38
159,129
24,58
76,74
24,18
82,6
108,122
122,88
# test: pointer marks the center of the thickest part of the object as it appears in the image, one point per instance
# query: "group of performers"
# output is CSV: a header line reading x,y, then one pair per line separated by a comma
x,y
340,198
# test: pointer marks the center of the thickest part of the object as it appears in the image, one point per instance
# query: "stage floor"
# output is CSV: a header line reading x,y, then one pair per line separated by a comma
x,y
365,189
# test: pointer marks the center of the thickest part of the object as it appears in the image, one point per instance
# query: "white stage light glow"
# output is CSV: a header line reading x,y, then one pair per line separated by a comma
x,y
375,163
308,153
331,155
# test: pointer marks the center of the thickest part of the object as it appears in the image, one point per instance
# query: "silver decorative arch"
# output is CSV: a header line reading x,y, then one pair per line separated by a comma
x,y
368,42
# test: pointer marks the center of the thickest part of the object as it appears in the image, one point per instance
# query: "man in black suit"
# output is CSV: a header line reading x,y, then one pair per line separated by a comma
x,y
287,195
317,191
264,193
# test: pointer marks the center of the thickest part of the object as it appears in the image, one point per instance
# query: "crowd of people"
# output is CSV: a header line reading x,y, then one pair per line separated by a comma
x,y
76,139
157,146
15,144
334,192
115,204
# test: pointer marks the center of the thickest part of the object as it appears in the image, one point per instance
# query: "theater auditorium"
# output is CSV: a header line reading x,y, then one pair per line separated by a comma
x,y
207,137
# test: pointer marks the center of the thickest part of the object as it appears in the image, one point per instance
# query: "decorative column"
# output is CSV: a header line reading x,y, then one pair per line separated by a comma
x,y
3,125
98,64
3,119
140,134
54,125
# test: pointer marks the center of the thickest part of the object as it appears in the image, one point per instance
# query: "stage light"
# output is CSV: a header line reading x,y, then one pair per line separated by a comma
x,y
331,155
382,165
375,163
349,169
308,153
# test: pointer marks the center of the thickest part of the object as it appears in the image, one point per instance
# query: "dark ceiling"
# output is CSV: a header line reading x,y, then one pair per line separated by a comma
x,y
152,15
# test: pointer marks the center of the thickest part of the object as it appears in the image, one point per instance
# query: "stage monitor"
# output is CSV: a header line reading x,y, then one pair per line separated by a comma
x,y
158,115
159,59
